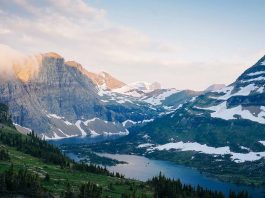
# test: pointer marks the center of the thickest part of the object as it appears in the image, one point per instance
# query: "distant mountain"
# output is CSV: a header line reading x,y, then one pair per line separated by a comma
x,y
145,86
138,89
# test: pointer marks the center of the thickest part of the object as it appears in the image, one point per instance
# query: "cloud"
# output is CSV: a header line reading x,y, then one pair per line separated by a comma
x,y
78,31
13,62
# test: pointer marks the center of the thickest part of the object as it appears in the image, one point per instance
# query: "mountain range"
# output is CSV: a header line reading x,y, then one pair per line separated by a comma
x,y
62,99
224,122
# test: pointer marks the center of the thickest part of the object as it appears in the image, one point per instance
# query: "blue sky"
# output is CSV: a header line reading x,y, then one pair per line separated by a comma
x,y
184,44
212,28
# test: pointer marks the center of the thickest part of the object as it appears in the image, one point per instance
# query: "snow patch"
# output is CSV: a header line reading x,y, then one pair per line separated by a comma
x,y
244,91
55,136
25,128
203,148
193,99
118,133
55,116
144,145
221,111
260,90
256,73
254,79
130,121
68,123
157,100
150,120
78,124
90,120
93,133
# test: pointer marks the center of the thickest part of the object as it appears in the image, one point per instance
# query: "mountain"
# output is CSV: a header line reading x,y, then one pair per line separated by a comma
x,y
102,79
145,86
138,89
233,115
58,98
214,87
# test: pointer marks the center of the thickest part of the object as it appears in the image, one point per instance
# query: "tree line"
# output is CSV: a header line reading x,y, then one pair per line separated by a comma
x,y
21,182
168,188
24,182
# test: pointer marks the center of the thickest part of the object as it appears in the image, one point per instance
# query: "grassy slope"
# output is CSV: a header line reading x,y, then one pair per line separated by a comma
x,y
59,177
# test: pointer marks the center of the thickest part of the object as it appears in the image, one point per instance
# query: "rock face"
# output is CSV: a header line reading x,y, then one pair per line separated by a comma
x,y
55,99
56,89
102,79
62,99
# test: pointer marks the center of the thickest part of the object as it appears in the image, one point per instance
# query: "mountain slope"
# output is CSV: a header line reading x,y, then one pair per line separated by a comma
x,y
30,167
233,116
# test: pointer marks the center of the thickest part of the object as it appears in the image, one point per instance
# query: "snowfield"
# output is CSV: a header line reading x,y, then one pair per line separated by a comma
x,y
221,111
244,91
157,100
203,148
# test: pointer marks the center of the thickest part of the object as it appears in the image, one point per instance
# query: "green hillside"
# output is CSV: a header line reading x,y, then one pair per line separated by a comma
x,y
54,173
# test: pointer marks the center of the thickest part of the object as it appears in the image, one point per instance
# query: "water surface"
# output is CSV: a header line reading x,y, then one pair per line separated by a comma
x,y
142,168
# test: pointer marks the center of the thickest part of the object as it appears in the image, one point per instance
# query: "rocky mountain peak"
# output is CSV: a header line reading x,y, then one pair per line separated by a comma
x,y
102,79
105,80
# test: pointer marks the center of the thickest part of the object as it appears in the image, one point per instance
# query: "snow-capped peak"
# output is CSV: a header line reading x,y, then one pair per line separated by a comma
x,y
138,89
145,86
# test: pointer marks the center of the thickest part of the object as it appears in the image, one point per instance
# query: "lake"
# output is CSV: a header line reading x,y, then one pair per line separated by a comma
x,y
142,168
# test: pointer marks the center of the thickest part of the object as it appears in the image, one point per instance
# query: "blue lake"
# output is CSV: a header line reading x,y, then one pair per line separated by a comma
x,y
142,168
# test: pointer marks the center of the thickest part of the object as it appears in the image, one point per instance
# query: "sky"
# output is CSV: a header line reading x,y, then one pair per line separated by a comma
x,y
186,44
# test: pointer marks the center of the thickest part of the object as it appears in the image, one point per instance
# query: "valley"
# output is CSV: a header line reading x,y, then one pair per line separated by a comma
x,y
219,131
132,99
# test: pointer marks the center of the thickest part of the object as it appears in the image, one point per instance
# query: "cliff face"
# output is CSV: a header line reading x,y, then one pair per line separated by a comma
x,y
54,99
